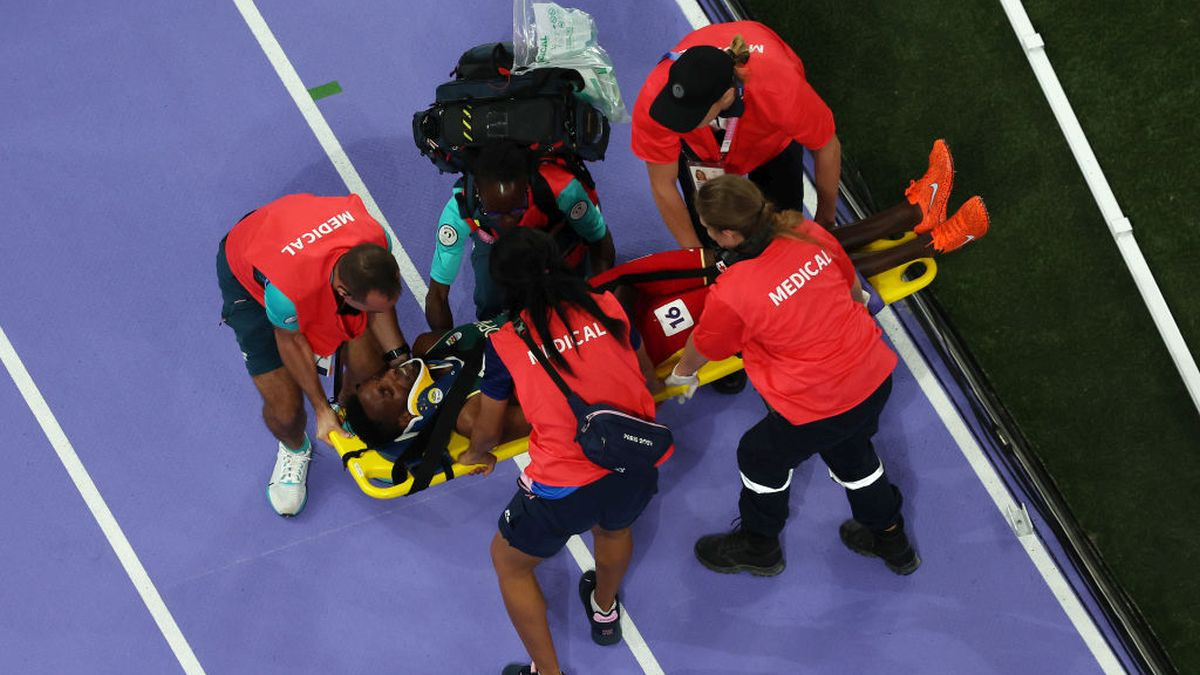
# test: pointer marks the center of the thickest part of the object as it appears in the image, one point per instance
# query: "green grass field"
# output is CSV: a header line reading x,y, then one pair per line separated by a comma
x,y
1045,302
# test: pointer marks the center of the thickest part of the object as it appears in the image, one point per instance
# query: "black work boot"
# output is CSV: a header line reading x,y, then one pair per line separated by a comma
x,y
740,551
892,546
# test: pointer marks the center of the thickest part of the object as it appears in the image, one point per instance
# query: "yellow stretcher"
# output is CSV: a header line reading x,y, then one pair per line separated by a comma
x,y
372,471
891,284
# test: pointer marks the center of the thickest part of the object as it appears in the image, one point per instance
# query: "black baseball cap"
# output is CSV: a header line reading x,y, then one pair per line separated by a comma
x,y
697,80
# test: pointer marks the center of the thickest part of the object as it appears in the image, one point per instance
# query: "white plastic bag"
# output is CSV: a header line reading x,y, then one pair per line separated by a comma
x,y
546,35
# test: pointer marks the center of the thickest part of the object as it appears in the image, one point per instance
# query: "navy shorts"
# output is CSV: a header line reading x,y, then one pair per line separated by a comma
x,y
540,527
248,319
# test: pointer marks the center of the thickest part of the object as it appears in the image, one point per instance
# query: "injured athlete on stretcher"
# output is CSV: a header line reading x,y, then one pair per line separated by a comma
x,y
663,294
396,403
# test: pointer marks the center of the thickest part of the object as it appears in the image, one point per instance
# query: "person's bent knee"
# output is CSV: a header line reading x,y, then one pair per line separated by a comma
x,y
286,411
284,418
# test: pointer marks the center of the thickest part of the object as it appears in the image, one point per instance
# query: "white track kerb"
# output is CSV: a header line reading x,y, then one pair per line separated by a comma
x,y
99,508
1118,225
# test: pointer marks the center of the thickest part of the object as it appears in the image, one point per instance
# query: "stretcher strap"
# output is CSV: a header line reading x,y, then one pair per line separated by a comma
x,y
709,273
353,454
431,442
337,387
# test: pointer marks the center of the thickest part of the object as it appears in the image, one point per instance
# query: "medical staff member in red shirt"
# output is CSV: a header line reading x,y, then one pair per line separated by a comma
x,y
790,302
587,338
299,277
733,98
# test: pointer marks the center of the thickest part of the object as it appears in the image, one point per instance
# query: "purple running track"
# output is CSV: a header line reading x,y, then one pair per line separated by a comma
x,y
133,139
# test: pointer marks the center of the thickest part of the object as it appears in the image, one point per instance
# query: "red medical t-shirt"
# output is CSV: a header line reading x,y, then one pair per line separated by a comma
x,y
781,106
605,369
295,241
808,347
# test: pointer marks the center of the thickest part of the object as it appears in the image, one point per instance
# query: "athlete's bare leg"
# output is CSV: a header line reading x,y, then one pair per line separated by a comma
x,y
515,424
874,262
895,220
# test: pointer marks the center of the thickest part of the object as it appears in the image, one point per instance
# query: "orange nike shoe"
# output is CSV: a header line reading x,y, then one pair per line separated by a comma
x,y
970,223
932,191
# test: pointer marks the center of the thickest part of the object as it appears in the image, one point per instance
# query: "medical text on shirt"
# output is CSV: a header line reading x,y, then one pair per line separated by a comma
x,y
796,280
566,343
317,232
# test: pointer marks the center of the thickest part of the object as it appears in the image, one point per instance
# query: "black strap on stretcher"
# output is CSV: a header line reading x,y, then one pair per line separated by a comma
x,y
708,273
431,441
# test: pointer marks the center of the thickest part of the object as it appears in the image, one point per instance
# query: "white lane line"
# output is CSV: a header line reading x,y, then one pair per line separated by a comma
x,y
333,148
996,489
96,504
1118,225
693,13
630,635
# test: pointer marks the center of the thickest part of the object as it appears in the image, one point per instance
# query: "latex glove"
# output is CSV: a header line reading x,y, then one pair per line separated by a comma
x,y
690,382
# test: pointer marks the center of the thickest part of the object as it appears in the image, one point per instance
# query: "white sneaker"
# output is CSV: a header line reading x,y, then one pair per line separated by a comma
x,y
287,490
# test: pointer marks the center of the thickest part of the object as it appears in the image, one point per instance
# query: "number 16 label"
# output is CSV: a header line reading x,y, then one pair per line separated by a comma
x,y
674,317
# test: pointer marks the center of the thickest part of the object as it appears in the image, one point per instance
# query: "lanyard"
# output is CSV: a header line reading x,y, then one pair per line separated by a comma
x,y
731,126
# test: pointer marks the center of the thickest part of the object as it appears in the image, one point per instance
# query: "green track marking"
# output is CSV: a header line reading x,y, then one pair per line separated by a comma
x,y
327,89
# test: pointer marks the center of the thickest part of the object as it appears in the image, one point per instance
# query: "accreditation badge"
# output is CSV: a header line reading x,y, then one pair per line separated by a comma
x,y
702,172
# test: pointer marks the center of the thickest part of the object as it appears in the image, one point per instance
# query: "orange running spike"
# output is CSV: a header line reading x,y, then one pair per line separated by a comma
x,y
932,191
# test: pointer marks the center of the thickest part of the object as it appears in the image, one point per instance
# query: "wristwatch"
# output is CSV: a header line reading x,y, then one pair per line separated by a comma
x,y
401,353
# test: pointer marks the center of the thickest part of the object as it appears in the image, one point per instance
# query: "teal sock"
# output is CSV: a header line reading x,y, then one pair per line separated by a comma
x,y
302,449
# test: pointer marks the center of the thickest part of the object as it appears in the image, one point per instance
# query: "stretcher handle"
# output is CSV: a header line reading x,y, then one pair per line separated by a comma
x,y
370,466
892,286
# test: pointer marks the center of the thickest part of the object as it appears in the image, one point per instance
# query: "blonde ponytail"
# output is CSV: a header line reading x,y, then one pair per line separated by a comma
x,y
731,202
739,50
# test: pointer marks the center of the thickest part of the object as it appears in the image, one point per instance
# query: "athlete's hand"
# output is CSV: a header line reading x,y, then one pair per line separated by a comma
x,y
328,423
486,462
689,382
